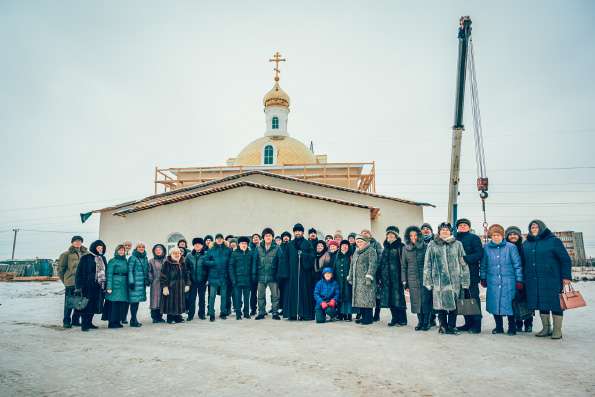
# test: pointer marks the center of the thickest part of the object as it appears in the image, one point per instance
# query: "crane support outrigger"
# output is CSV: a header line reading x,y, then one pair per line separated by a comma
x,y
466,62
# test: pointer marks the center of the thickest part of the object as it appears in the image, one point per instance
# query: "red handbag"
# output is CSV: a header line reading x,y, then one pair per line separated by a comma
x,y
571,299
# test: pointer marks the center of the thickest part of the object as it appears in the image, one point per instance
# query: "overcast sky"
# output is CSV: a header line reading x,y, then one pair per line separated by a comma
x,y
94,95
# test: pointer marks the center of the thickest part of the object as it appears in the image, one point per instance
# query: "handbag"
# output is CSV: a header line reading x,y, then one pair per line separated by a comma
x,y
468,306
77,301
571,299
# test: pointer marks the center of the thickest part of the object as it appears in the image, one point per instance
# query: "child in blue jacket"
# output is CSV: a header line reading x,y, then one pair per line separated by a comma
x,y
327,295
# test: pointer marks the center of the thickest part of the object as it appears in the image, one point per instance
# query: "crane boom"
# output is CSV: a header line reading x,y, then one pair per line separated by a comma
x,y
458,127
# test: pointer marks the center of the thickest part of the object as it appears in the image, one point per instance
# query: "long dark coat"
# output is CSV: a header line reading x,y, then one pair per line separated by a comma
x,y
240,268
391,293
175,276
341,265
85,279
473,254
138,276
362,272
547,263
299,294
155,264
412,272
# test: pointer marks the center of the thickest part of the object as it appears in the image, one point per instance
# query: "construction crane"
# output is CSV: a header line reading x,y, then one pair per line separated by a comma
x,y
466,64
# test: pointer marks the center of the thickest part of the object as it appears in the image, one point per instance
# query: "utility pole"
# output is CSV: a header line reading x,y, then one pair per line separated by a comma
x,y
14,241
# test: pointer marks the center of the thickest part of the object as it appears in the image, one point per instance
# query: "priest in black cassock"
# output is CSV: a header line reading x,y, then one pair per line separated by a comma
x,y
299,257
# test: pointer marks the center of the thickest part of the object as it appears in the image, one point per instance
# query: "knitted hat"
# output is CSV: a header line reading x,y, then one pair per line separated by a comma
x,y
298,227
428,226
495,228
268,230
463,221
311,230
334,243
360,237
208,237
198,240
352,234
338,233
243,239
513,229
76,238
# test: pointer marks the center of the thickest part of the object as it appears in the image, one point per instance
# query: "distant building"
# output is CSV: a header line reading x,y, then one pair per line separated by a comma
x,y
573,241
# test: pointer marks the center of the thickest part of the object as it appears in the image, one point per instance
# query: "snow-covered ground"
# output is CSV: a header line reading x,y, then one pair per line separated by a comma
x,y
228,358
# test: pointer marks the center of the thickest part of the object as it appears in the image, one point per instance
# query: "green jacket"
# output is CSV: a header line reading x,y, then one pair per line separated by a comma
x,y
67,264
117,279
266,263
138,277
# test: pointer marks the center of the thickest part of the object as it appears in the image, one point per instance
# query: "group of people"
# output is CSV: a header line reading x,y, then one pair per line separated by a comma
x,y
330,279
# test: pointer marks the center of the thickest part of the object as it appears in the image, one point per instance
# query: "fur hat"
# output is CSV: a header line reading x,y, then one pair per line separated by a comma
x,y
243,239
198,240
312,230
229,236
513,229
76,238
392,229
444,225
495,228
463,221
334,243
218,235
95,244
344,242
298,227
209,237
352,234
268,230
338,233
286,233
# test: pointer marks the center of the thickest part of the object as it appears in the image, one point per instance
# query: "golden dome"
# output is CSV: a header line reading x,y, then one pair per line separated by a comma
x,y
287,151
276,96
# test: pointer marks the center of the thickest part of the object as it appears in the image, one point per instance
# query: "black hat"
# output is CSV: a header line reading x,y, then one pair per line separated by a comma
x,y
75,238
352,234
344,242
229,236
444,225
184,240
268,230
255,234
513,229
463,221
243,239
328,236
209,237
298,227
95,244
218,235
311,230
392,229
198,240
428,226
286,233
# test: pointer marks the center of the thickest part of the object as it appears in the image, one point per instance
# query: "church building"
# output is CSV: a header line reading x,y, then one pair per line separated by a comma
x,y
275,181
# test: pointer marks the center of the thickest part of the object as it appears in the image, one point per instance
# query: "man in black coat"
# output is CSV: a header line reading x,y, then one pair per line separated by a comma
x,y
473,254
299,298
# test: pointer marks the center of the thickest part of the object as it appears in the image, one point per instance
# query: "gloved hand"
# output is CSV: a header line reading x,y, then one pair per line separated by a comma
x,y
323,305
484,283
165,291
368,281
186,288
519,286
131,285
109,291
405,286
332,303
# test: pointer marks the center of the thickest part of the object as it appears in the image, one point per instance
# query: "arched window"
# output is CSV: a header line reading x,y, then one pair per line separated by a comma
x,y
269,155
172,240
275,123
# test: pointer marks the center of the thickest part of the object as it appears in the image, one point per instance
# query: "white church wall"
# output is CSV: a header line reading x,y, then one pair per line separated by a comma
x,y
392,212
244,210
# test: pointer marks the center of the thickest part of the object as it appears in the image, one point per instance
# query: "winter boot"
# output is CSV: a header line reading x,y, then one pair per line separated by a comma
x,y
260,317
499,325
557,334
528,325
238,316
348,317
547,330
212,318
427,321
377,314
511,326
420,322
